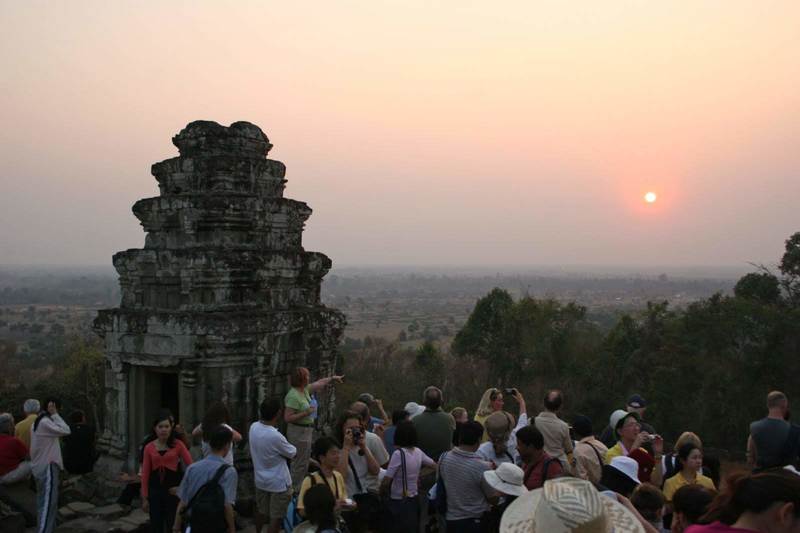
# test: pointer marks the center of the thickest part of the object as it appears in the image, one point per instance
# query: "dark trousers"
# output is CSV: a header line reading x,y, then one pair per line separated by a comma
x,y
402,516
468,525
162,511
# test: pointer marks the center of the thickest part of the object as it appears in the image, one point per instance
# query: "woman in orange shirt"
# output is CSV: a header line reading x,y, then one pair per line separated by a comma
x,y
161,473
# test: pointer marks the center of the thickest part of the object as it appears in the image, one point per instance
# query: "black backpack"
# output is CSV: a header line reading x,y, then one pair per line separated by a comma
x,y
205,512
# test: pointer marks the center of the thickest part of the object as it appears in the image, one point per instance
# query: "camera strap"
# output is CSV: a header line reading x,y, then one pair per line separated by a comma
x,y
355,474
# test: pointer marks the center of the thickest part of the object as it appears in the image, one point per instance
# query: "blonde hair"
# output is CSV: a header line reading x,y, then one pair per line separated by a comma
x,y
457,412
485,406
687,437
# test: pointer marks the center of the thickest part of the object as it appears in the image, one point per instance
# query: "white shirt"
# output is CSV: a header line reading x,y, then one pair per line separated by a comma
x,y
45,446
369,482
486,450
269,451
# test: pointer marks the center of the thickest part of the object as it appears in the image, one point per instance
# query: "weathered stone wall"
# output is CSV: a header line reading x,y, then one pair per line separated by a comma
x,y
222,301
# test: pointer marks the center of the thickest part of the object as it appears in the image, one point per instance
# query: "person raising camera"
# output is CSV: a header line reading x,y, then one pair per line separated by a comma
x,y
631,439
360,463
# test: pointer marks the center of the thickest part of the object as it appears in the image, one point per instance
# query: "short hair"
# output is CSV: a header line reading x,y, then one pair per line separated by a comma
x,y
322,446
553,400
688,436
432,398
692,501
31,406
648,500
470,433
6,424
319,504
776,399
531,436
269,408
458,412
398,416
341,421
405,436
219,437
299,376
362,409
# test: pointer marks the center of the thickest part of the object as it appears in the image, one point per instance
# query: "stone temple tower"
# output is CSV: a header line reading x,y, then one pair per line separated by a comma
x,y
223,301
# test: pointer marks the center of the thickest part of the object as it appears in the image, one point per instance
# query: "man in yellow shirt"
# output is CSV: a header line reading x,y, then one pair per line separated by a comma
x,y
23,428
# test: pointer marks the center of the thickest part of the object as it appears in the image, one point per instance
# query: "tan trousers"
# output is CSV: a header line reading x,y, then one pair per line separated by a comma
x,y
299,437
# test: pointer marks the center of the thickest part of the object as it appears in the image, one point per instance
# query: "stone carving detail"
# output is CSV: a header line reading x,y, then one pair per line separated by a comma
x,y
220,287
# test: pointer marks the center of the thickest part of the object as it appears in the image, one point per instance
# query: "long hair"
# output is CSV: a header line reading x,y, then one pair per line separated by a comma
x,y
44,412
164,414
754,493
485,406
216,415
319,504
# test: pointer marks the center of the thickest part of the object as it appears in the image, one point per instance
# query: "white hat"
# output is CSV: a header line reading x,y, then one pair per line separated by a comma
x,y
618,415
413,409
627,466
566,505
508,479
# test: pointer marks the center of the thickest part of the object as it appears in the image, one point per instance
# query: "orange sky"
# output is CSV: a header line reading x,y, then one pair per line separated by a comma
x,y
467,133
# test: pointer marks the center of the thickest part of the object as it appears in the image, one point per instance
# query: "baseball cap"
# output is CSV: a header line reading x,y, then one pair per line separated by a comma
x,y
637,402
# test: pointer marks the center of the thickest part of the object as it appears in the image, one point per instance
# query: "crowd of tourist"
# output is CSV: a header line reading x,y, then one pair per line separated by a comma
x,y
425,469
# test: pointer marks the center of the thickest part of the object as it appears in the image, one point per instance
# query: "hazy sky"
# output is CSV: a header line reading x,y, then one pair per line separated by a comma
x,y
460,132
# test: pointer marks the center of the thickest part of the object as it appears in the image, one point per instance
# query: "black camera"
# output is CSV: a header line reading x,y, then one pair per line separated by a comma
x,y
510,392
357,436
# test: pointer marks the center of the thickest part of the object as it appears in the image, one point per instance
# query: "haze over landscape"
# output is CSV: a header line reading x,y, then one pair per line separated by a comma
x,y
421,134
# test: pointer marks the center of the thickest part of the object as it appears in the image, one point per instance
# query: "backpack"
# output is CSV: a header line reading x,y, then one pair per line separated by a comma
x,y
205,512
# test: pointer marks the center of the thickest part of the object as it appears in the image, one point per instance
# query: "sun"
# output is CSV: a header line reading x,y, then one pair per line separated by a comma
x,y
650,197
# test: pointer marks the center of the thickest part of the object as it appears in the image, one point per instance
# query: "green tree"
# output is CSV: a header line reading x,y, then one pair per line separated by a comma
x,y
762,286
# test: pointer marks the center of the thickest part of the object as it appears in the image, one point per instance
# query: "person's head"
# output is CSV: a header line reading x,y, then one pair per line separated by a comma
x,y
553,400
366,398
582,427
691,457
491,401
689,503
777,403
219,439
217,413
319,503
432,398
348,421
269,410
498,427
300,377
687,437
77,417
31,407
405,436
470,435
163,427
459,414
649,501
325,451
363,411
530,443
6,424
626,425
399,415
636,404
771,498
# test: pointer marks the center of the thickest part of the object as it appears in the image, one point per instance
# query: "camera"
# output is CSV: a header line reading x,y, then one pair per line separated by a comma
x,y
357,436
510,392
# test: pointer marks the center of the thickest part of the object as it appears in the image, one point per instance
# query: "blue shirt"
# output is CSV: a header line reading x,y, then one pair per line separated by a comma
x,y
201,472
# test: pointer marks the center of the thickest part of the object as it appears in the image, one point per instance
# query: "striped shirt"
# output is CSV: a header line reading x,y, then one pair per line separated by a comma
x,y
462,473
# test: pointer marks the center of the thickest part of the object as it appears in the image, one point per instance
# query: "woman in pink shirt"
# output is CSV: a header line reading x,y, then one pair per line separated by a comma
x,y
402,479
766,502
161,473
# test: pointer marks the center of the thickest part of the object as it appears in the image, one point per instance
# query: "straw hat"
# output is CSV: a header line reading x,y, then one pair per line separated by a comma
x,y
508,479
568,505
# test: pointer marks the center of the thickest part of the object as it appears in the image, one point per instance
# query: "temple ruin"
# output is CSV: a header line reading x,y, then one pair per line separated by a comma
x,y
222,301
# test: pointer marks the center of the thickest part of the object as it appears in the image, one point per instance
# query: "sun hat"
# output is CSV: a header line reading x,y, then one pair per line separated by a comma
x,y
413,409
568,505
627,466
499,424
617,417
507,478
646,463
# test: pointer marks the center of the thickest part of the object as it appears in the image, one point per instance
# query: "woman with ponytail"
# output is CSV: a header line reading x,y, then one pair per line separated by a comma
x,y
764,502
